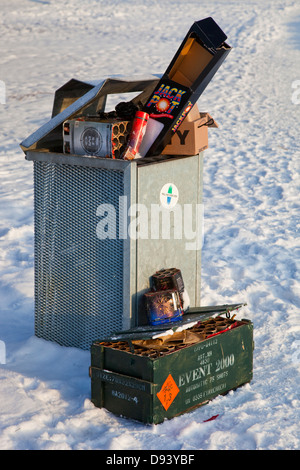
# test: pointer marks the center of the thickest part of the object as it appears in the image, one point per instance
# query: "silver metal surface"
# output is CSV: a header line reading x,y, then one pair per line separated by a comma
x,y
77,160
172,251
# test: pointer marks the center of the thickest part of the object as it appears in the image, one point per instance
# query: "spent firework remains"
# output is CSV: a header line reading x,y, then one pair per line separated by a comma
x,y
161,110
169,279
90,136
168,344
168,299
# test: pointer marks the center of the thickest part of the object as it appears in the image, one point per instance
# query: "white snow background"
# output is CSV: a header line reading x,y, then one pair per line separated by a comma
x,y
251,196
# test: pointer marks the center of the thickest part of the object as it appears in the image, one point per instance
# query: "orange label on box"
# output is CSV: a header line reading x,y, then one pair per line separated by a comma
x,y
168,392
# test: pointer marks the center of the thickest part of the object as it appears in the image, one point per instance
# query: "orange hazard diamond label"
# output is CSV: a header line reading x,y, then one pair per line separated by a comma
x,y
168,392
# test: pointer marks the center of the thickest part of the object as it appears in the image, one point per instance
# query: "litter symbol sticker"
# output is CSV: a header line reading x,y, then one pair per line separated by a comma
x,y
168,392
169,195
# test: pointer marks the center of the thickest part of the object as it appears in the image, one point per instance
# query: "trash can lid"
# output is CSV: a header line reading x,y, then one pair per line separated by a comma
x,y
75,95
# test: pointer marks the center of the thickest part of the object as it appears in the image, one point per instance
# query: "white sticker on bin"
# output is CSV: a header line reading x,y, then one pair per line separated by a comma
x,y
169,195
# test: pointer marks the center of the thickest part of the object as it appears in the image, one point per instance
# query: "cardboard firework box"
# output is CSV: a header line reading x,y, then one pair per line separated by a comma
x,y
191,137
92,136
200,55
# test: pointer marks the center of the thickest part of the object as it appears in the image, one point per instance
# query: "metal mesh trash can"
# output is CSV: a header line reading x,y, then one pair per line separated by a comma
x,y
89,282
88,286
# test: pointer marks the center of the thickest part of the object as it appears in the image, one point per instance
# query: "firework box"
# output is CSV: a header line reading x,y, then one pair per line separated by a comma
x,y
151,387
163,306
86,136
198,58
192,135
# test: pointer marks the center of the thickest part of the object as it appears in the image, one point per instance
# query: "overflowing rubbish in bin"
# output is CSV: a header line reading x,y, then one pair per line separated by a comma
x,y
194,64
80,125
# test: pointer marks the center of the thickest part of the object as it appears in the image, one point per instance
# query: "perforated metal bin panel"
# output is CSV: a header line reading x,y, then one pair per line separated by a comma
x,y
86,287
78,283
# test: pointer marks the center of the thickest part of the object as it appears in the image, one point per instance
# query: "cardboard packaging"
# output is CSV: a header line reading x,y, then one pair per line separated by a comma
x,y
192,136
197,60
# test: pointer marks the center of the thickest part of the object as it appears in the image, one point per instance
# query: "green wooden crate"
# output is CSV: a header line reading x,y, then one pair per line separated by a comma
x,y
152,389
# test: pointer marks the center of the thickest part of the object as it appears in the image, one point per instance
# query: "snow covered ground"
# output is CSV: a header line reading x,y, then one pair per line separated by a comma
x,y
251,196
